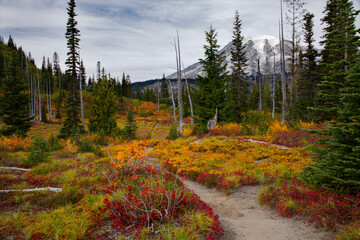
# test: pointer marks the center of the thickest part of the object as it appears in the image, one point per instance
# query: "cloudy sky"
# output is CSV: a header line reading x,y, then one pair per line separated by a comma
x,y
134,36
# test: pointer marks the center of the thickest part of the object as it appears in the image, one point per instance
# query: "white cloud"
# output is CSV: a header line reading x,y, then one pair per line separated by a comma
x,y
134,35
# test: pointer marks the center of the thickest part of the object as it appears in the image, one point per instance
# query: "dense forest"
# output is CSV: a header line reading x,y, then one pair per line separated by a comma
x,y
314,100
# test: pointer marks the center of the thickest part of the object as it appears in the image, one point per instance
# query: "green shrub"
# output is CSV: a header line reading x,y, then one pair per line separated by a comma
x,y
130,126
257,122
84,145
173,133
39,152
53,143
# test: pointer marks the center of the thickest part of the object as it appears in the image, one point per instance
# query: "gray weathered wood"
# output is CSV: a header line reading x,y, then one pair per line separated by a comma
x,y
33,190
15,168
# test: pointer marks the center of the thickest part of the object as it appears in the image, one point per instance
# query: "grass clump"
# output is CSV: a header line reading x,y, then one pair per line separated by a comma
x,y
63,223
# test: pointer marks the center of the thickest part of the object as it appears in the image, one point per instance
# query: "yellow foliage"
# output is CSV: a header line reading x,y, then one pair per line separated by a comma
x,y
148,106
228,129
69,146
187,131
222,156
129,153
275,127
15,143
310,125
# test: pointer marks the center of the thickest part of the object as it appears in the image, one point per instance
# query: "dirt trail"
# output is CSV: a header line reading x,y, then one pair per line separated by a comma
x,y
243,218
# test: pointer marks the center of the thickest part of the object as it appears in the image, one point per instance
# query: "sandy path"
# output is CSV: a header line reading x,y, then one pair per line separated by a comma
x,y
243,218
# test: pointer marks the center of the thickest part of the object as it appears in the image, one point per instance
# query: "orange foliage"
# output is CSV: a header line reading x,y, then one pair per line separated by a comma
x,y
129,154
148,106
69,146
275,127
310,125
15,143
228,129
187,131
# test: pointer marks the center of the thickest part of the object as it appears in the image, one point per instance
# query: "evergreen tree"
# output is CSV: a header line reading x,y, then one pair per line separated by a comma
x,y
11,43
56,64
149,95
338,55
306,87
14,102
139,94
338,164
124,86
90,84
72,124
239,85
130,126
164,92
128,87
103,108
82,75
118,88
253,103
210,94
185,102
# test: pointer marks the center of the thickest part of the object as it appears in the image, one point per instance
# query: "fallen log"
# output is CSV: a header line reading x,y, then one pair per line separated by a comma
x,y
15,168
153,131
262,160
33,190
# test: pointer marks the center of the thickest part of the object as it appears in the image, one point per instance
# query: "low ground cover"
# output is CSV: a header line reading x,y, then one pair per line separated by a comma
x,y
99,199
227,162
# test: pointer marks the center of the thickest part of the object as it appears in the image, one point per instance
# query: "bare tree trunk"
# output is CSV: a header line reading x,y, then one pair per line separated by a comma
x,y
178,67
190,101
29,84
173,101
274,91
293,52
39,106
50,113
32,96
158,95
283,74
81,103
260,85
47,99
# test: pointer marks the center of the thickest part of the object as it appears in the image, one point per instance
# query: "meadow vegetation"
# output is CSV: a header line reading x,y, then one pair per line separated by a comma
x,y
113,187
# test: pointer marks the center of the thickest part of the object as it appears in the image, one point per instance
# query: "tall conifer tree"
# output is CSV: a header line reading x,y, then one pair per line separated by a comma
x,y
338,55
164,91
14,102
210,94
306,87
103,108
239,84
337,166
72,123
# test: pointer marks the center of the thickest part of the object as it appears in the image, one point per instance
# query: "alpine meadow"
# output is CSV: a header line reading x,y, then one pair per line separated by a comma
x,y
114,137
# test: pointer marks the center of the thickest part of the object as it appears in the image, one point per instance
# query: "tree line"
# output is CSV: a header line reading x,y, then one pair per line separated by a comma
x,y
311,86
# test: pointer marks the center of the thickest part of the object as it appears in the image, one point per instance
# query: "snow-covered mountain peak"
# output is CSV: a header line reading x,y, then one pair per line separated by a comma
x,y
262,47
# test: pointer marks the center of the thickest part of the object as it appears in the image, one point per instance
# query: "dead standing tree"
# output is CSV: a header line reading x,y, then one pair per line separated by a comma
x,y
189,96
179,87
282,64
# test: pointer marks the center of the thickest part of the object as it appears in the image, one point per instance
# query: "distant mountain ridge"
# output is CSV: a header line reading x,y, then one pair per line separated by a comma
x,y
258,47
